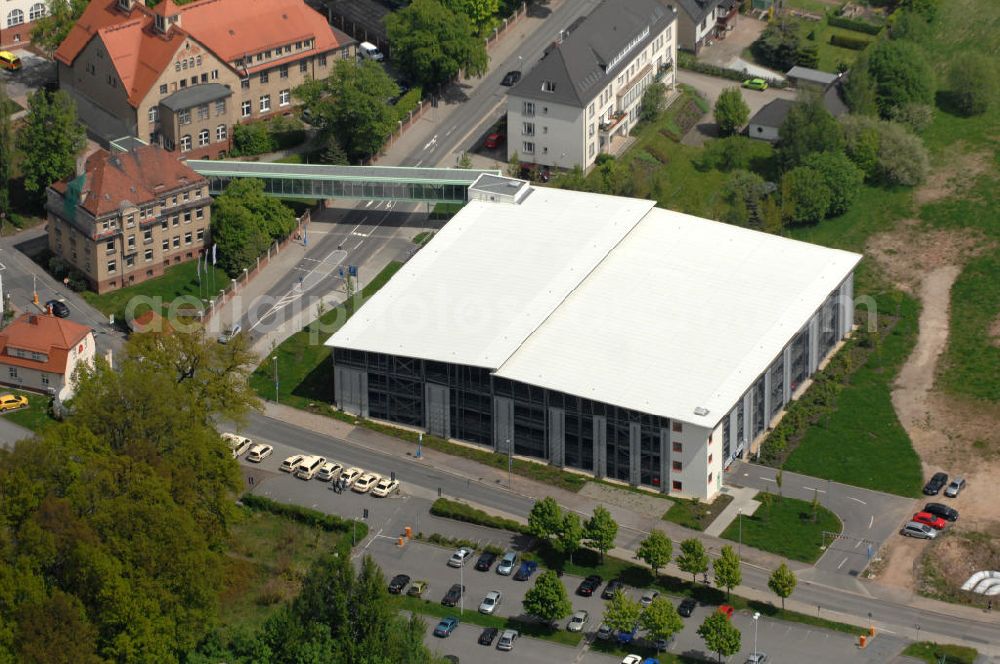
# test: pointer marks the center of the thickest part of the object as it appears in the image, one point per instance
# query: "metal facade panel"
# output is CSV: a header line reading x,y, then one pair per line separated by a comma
x,y
665,459
557,438
634,452
600,446
503,424
437,410
813,343
847,305
786,379
350,390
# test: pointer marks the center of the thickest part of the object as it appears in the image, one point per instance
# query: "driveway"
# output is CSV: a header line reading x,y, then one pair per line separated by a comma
x,y
35,72
711,87
869,517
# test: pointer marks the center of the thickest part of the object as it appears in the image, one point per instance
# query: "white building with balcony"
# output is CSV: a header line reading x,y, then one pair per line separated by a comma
x,y
584,95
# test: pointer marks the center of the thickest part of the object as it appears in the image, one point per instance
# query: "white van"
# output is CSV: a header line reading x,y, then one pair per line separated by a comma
x,y
237,444
369,51
309,467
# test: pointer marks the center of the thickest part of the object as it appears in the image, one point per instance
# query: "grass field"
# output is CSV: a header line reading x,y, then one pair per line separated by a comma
x,y
180,281
696,515
786,528
932,653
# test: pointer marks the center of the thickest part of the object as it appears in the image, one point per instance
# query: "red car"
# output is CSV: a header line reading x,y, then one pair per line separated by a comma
x,y
494,140
727,611
935,522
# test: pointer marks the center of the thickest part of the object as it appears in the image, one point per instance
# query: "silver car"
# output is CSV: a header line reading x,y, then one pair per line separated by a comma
x,y
918,530
507,564
577,622
955,487
491,602
507,639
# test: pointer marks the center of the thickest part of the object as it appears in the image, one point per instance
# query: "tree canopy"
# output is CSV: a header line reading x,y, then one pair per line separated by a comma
x,y
808,128
660,619
692,558
547,599
805,198
432,44
655,550
622,613
720,635
245,221
600,530
481,12
731,112
727,570
60,16
6,150
53,137
545,518
841,177
973,83
901,74
782,583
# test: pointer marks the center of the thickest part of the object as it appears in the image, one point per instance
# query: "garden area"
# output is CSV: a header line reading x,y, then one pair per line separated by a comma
x,y
785,526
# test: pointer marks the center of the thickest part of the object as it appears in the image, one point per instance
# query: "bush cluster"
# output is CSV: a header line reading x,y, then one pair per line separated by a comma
x,y
304,515
854,24
451,509
853,43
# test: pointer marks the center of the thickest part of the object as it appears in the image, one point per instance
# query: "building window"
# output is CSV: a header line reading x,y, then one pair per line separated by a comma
x,y
186,143
263,77
220,107
283,71
203,137
200,235
45,379
529,147
245,83
203,112
110,247
303,67
154,114
129,261
678,447
284,97
199,213
528,129
16,17
245,109
677,426
528,108
176,219
187,217
322,60
265,103
198,60
12,372
215,74
678,486
187,238
220,133
177,241
147,236
710,478
166,245
37,11
184,117
112,266
676,465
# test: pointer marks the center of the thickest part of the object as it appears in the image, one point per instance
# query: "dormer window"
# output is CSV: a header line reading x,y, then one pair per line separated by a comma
x,y
125,5
548,86
161,23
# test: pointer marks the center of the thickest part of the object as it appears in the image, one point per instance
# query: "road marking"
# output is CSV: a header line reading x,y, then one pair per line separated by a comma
x,y
768,479
857,544
2,266
857,500
419,162
360,234
431,142
871,521
453,128
809,488
842,563
369,204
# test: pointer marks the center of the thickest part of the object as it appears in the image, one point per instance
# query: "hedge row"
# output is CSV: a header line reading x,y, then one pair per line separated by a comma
x,y
408,102
855,44
854,24
451,509
688,61
328,522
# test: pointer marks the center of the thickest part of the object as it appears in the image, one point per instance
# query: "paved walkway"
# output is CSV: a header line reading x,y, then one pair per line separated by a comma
x,y
743,501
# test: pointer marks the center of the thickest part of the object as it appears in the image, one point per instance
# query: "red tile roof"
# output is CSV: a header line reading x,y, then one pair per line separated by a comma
x,y
228,28
41,333
140,176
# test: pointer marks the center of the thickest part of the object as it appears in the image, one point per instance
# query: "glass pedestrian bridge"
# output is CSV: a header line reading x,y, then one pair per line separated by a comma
x,y
390,183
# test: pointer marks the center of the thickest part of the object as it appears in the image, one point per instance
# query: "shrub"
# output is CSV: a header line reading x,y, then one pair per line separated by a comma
x,y
252,139
313,518
408,102
731,112
653,102
853,24
973,82
853,43
902,157
915,117
841,176
902,75
726,154
451,509
804,195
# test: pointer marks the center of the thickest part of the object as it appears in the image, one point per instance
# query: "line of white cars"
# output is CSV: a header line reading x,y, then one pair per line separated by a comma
x,y
307,467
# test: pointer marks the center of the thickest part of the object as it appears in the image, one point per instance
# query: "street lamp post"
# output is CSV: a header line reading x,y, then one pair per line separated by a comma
x,y
420,443
756,617
739,517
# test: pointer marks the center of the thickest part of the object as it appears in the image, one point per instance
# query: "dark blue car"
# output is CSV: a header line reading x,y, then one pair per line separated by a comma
x,y
446,627
625,638
525,571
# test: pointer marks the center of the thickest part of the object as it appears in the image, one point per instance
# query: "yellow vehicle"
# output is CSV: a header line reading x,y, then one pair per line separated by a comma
x,y
12,402
9,61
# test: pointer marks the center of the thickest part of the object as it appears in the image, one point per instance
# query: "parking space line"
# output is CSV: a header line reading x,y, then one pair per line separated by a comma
x,y
857,500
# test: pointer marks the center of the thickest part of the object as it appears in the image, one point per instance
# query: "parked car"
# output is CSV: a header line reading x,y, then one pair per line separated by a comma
x,y
237,444
365,483
12,402
417,588
398,583
726,610
490,602
258,452
507,563
648,597
589,585
686,607
507,639
486,561
604,632
385,487
494,140
935,484
943,511
350,476
632,659
757,658
662,645
535,172
58,308
446,627
955,487
928,519
229,333
525,571
577,621
918,530
614,585
9,61
329,471
288,465
511,78
308,467
454,595
626,637
755,84
487,635
460,557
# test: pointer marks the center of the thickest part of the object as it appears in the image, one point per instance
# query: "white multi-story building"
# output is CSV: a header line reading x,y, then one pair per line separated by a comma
x,y
702,20
585,94
17,17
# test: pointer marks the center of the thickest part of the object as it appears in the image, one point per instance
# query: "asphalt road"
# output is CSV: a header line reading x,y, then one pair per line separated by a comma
x,y
869,517
421,483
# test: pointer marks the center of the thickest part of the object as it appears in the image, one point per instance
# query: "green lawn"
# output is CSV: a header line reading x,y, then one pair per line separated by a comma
x,y
933,652
830,56
35,417
785,528
179,281
696,515
303,369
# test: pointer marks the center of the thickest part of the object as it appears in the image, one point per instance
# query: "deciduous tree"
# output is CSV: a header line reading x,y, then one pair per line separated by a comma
x,y
481,12
805,198
656,550
245,222
6,153
545,518
727,570
901,73
570,535
50,30
661,620
859,90
808,128
547,599
842,178
53,137
653,101
601,530
720,635
692,558
973,82
731,112
622,613
782,583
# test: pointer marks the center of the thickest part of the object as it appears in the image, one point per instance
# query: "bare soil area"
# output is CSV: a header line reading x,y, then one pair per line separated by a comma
x,y
953,178
950,560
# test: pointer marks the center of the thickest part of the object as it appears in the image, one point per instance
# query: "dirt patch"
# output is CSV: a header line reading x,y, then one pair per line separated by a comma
x,y
949,561
953,177
897,568
909,251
